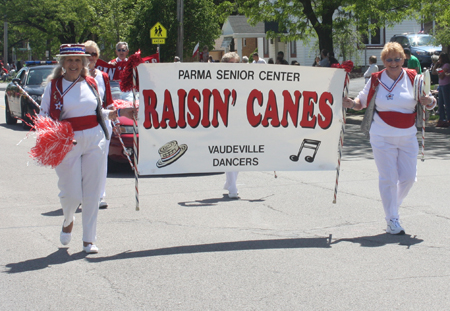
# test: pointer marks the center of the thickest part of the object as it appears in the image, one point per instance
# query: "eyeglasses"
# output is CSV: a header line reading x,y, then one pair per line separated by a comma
x,y
121,50
92,54
390,60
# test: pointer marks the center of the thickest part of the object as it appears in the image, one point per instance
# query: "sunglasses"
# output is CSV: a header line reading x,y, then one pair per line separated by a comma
x,y
92,54
121,50
390,60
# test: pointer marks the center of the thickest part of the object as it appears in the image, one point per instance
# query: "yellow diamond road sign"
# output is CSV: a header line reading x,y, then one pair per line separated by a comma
x,y
158,32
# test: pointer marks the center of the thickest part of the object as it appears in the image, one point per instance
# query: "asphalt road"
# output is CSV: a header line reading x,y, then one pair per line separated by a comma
x,y
282,246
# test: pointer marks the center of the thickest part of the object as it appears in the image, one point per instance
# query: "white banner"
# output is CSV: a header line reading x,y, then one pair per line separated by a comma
x,y
218,117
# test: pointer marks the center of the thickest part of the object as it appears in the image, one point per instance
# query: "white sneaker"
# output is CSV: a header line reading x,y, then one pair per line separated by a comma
x,y
394,227
233,195
102,204
65,237
90,249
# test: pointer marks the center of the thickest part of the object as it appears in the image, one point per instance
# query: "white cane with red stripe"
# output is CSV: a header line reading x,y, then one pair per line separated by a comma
x,y
27,95
341,138
135,144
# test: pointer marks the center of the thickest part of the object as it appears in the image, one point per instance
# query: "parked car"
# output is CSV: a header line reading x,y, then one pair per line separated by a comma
x,y
116,151
30,78
421,45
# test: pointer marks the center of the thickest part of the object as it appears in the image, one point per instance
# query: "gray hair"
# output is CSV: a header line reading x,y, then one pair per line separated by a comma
x,y
229,56
121,43
94,45
58,71
245,59
434,58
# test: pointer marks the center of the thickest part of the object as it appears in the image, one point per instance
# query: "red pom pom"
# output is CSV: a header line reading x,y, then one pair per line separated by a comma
x,y
120,103
126,76
347,65
54,140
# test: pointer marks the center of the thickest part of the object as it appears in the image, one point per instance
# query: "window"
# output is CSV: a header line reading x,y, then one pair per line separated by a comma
x,y
293,48
375,37
244,42
266,47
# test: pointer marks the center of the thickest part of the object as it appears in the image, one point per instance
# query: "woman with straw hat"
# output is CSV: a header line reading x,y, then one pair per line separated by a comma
x,y
72,95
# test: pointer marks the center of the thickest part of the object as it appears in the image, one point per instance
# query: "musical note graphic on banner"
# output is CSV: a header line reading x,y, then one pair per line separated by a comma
x,y
309,144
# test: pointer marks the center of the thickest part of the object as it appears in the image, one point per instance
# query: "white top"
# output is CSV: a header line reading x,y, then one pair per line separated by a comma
x,y
401,99
100,83
78,102
260,61
372,69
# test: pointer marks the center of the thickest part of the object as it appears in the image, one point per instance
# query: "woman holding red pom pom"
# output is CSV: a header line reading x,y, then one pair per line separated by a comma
x,y
71,95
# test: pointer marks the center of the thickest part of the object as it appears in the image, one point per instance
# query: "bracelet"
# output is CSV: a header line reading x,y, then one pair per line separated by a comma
x,y
433,102
118,113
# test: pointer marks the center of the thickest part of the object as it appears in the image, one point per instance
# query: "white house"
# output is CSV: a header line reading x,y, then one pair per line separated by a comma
x,y
236,28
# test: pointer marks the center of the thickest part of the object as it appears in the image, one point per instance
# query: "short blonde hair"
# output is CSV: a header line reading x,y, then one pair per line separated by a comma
x,y
94,45
392,47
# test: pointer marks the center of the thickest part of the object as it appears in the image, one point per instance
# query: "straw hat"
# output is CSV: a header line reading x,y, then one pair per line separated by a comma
x,y
72,50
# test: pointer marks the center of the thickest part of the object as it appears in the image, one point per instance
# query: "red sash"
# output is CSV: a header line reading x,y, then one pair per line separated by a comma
x,y
398,119
393,118
83,123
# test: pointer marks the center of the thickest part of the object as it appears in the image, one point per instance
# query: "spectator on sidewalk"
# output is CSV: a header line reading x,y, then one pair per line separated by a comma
x,y
413,62
372,67
257,60
442,69
280,59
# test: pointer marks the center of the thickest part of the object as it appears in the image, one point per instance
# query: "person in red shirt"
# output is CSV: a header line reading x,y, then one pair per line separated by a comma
x,y
121,60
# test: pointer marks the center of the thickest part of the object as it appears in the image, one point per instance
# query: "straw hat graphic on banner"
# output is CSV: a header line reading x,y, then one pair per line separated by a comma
x,y
170,152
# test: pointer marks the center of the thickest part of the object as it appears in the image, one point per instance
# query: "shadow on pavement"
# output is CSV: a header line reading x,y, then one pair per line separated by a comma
x,y
58,212
214,201
61,256
221,247
382,240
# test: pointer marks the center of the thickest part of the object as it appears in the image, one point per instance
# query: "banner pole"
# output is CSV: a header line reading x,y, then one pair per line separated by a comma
x,y
135,144
341,139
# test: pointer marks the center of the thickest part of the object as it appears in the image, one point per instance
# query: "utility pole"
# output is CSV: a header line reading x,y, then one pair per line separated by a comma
x,y
180,13
5,42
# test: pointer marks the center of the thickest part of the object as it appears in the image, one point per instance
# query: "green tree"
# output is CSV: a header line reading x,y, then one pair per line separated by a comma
x,y
48,23
200,25
303,19
439,12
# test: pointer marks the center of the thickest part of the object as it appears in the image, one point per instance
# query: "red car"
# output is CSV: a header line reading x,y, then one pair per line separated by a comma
x,y
116,151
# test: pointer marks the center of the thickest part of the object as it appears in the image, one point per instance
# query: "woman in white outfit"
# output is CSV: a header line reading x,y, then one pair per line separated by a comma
x,y
104,90
72,95
389,94
231,177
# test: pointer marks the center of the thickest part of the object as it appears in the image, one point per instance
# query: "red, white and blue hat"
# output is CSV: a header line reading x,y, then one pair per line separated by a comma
x,y
72,50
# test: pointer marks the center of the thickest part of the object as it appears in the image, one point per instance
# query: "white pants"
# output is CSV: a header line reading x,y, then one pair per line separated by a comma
x,y
80,175
396,160
230,183
105,174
